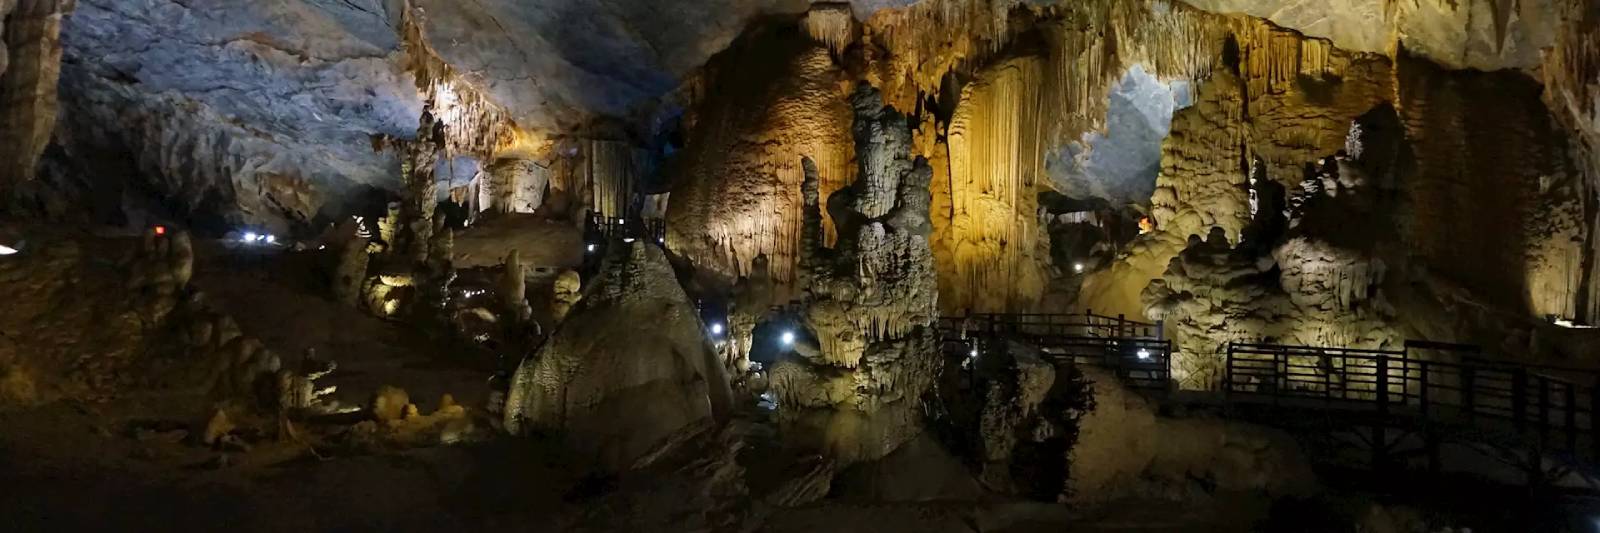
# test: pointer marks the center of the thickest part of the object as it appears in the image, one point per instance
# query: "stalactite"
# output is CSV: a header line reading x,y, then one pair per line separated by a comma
x,y
831,24
473,124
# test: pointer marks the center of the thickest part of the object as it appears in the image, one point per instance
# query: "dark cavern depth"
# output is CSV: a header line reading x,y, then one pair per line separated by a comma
x,y
800,265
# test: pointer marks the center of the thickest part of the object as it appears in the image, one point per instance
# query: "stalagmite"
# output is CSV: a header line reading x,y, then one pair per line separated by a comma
x,y
351,272
873,302
30,65
514,292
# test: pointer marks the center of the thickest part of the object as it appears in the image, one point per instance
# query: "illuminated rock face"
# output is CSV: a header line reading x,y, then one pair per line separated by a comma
x,y
767,103
872,302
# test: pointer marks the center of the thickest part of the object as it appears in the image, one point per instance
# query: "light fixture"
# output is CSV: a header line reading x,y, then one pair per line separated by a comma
x,y
159,230
661,240
1077,267
7,250
787,338
591,247
716,329
1143,353
250,236
272,239
627,240
973,354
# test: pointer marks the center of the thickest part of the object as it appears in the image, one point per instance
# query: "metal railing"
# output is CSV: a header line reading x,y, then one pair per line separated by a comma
x,y
600,228
1555,406
1085,324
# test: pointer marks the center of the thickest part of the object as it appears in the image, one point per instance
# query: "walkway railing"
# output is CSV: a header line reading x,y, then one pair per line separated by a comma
x,y
1133,351
603,228
1555,406
1085,324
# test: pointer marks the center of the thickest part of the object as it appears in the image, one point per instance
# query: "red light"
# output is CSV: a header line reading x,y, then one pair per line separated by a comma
x,y
161,230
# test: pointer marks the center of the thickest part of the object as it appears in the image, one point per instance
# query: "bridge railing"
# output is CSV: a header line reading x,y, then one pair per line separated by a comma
x,y
1140,363
600,228
1085,324
1554,405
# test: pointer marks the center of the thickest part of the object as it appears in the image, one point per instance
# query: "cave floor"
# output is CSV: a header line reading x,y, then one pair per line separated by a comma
x,y
275,297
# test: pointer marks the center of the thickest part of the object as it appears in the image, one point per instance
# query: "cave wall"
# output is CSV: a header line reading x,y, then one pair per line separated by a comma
x,y
1492,202
771,100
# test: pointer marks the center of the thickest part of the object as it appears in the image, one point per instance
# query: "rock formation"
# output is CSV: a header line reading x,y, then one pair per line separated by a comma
x,y
628,371
30,65
871,301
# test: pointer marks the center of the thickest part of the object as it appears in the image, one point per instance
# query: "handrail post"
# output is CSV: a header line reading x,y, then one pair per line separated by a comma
x,y
1594,416
1383,384
1227,374
1119,326
1166,347
1280,371
1422,392
1544,411
1469,393
1568,403
1519,399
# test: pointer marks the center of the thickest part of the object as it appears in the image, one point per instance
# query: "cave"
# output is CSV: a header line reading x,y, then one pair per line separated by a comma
x,y
800,265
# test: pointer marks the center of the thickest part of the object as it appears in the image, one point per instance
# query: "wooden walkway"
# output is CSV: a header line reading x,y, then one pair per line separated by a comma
x,y
1425,393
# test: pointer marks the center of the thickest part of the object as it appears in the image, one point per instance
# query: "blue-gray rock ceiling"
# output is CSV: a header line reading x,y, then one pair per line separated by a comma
x,y
211,93
246,101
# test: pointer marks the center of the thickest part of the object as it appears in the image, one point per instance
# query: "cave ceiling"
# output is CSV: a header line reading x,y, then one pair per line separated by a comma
x,y
301,87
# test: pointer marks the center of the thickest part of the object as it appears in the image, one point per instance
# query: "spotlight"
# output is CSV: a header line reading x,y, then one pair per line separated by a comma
x,y
251,236
1077,267
1143,353
7,250
788,338
716,329
590,248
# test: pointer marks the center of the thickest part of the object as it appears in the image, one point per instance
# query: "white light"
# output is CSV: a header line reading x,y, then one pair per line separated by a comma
x,y
1077,267
7,250
272,238
322,247
973,354
1143,353
1565,323
591,248
627,239
251,237
788,338
662,240
716,329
